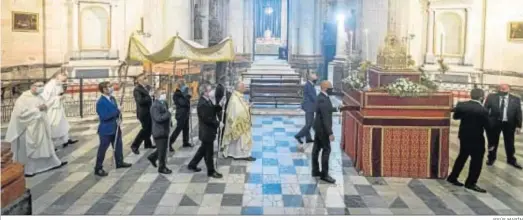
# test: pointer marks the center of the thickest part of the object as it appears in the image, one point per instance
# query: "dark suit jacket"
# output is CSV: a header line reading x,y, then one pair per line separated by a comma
x,y
108,114
207,120
474,121
143,102
309,97
323,119
161,118
513,105
183,103
221,93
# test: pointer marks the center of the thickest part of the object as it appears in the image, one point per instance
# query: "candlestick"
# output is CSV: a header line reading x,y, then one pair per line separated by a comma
x,y
441,45
351,40
366,31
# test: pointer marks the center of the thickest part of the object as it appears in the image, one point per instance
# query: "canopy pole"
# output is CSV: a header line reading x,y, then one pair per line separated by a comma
x,y
170,85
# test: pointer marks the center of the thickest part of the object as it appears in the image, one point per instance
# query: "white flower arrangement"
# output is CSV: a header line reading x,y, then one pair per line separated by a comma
x,y
354,82
403,87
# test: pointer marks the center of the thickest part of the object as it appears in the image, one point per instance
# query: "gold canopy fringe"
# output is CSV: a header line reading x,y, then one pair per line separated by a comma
x,y
177,48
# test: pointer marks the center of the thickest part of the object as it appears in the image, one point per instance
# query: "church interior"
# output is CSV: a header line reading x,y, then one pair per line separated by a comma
x,y
404,63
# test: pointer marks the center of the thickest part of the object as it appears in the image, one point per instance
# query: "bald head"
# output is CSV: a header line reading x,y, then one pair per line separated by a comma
x,y
325,85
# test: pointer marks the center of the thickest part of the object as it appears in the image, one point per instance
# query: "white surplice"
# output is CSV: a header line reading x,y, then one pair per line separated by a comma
x,y
56,112
29,133
237,139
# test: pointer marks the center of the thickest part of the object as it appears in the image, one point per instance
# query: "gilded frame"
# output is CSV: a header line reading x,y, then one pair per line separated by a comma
x,y
16,16
510,34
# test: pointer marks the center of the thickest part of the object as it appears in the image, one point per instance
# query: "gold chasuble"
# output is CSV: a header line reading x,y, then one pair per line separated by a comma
x,y
237,139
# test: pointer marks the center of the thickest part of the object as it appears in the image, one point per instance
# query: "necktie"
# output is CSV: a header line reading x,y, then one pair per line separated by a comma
x,y
502,108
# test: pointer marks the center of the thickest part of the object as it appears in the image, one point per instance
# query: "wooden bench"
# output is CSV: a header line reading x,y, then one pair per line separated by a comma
x,y
276,94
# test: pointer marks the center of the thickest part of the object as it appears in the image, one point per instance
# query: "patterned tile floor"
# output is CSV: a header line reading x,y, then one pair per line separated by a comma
x,y
278,183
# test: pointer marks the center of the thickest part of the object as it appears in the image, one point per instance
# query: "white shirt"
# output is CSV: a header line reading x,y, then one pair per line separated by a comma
x,y
504,113
108,98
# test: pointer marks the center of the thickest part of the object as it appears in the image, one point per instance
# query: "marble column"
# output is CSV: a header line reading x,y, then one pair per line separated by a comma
x,y
341,39
294,16
337,66
236,23
429,57
248,21
306,33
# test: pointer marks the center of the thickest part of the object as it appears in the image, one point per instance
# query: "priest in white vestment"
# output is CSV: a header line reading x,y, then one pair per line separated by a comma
x,y
237,138
52,95
29,133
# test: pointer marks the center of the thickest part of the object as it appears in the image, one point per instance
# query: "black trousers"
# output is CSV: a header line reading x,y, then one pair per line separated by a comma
x,y
206,152
182,125
306,130
509,131
476,151
160,153
321,143
144,135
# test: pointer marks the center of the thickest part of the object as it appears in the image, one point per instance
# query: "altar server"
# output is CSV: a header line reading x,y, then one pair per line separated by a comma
x,y
505,116
52,95
323,134
474,121
30,133
108,130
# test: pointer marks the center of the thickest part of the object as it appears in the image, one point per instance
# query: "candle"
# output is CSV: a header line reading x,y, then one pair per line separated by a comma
x,y
350,42
441,45
366,44
141,24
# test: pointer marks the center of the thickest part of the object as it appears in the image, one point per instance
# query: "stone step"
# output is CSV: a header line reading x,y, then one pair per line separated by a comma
x,y
273,72
271,67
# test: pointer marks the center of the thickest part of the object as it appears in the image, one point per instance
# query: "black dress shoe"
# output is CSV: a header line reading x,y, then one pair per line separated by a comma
x,y
100,172
215,175
152,160
309,141
164,170
29,175
515,165
195,169
70,141
187,145
64,145
455,182
171,149
249,159
476,188
490,162
328,179
315,174
151,147
123,165
135,150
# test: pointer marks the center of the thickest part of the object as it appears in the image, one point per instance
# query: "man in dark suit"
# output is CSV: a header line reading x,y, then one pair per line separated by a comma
x,y
309,100
207,131
182,101
161,123
474,122
220,94
323,133
143,100
109,115
505,116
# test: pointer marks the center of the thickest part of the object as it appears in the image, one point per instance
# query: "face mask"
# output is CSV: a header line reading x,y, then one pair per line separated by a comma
x,y
503,93
314,81
39,90
111,90
162,97
329,91
212,94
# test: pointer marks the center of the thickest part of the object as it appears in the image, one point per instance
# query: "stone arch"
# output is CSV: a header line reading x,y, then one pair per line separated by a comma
x,y
450,33
95,28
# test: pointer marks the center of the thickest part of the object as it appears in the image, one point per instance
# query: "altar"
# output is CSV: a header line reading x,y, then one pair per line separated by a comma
x,y
395,136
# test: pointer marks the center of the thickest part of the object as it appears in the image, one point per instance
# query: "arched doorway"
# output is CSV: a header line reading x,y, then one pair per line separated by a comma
x,y
449,35
95,29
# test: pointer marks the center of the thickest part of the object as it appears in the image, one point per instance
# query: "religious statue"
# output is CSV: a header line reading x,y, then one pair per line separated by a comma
x,y
267,34
197,23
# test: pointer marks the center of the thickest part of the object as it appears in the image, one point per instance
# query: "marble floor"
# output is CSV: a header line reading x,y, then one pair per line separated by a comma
x,y
278,183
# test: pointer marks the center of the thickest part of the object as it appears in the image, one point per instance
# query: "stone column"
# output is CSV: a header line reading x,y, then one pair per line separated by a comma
x,y
429,58
248,20
236,24
341,40
337,66
306,34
